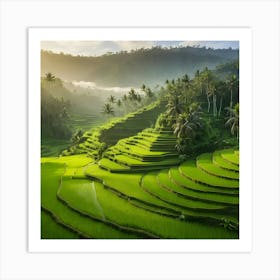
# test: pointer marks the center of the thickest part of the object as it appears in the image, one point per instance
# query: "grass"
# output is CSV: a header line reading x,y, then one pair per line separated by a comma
x,y
231,157
73,161
127,184
140,151
74,191
85,226
50,229
120,211
189,170
149,183
219,161
85,121
120,197
205,163
163,180
53,147
112,166
133,162
183,181
126,155
116,129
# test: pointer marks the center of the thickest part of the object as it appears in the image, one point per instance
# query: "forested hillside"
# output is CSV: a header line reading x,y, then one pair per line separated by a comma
x,y
123,69
154,145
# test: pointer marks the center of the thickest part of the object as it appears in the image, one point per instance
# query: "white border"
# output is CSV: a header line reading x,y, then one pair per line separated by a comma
x,y
243,35
263,16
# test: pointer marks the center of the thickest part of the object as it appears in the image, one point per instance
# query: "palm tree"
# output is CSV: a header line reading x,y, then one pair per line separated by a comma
x,y
49,77
174,106
77,137
148,92
124,97
184,87
231,83
100,150
212,92
119,104
186,79
221,89
50,80
188,123
132,95
233,120
206,78
108,109
138,98
112,99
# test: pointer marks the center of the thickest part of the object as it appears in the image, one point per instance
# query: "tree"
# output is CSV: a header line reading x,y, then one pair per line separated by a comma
x,y
174,106
132,95
100,150
54,116
77,137
108,109
49,81
231,83
212,92
138,98
49,77
198,83
186,79
124,97
112,99
189,122
206,78
119,103
233,120
148,92
221,89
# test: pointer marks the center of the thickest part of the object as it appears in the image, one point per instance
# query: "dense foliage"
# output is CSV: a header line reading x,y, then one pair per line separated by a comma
x,y
121,69
54,116
197,108
164,165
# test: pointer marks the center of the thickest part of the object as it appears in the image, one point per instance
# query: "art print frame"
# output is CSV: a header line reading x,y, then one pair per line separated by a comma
x,y
243,35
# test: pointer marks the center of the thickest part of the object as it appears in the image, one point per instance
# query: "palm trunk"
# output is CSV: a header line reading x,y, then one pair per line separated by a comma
x,y
216,109
220,109
214,105
213,97
208,101
230,105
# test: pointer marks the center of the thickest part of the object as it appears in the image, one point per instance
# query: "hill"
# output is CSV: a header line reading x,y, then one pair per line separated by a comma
x,y
125,69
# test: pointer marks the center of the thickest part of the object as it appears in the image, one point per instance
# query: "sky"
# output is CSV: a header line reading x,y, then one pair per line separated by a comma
x,y
97,48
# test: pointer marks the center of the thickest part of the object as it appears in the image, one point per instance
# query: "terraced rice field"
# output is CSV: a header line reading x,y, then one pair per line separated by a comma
x,y
140,189
147,150
115,130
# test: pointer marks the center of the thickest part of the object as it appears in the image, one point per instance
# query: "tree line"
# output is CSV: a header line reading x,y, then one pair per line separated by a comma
x,y
129,102
54,110
196,108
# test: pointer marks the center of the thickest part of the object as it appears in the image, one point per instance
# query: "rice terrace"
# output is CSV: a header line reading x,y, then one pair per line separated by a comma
x,y
140,140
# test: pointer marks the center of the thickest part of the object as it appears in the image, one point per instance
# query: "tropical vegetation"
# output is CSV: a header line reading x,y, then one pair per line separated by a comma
x,y
158,162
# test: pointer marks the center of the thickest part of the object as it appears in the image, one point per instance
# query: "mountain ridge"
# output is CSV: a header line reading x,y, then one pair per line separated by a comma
x,y
152,66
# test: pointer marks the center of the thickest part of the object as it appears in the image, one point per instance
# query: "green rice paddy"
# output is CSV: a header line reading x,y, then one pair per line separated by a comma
x,y
125,180
141,191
